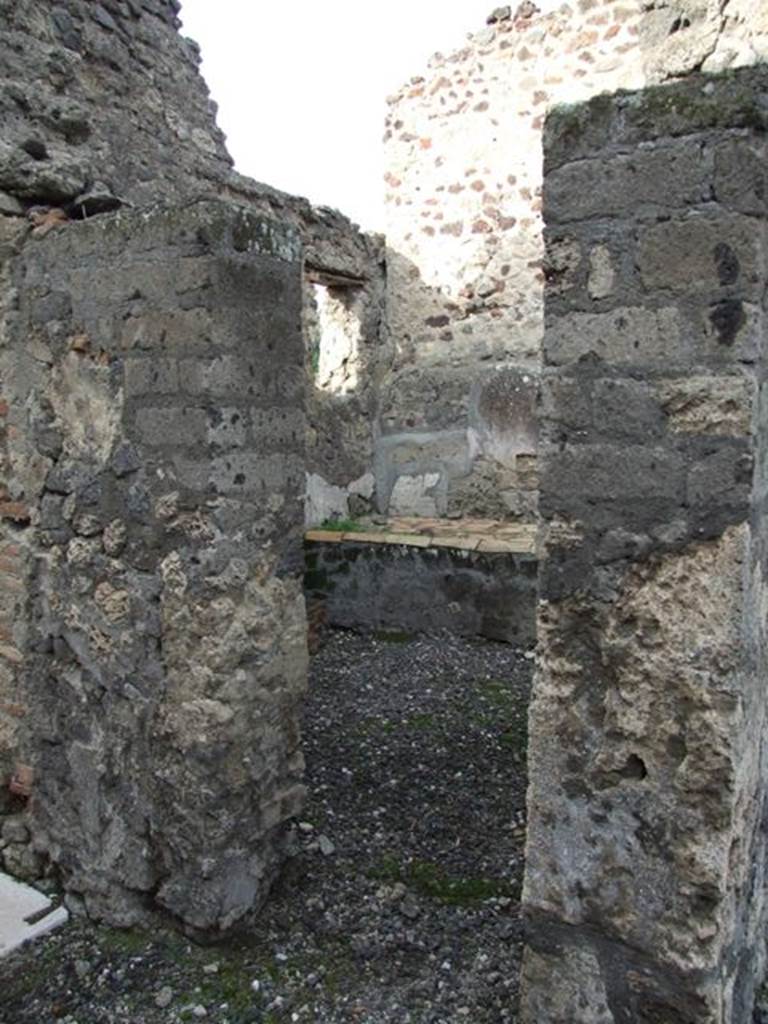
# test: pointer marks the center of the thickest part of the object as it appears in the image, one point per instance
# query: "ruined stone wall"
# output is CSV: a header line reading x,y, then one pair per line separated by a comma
x,y
645,872
466,258
13,511
154,444
102,106
372,587
349,266
102,103
153,369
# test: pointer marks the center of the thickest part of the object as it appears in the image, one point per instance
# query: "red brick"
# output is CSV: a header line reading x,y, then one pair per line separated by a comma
x,y
10,566
22,780
18,511
13,710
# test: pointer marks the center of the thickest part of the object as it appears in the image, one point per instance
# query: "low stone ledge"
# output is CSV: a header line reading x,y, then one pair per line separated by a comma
x,y
487,535
468,583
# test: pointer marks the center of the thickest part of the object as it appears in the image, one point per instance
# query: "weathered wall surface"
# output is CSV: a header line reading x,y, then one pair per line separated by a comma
x,y
103,101
382,586
645,878
464,230
349,266
153,468
155,140
153,371
13,596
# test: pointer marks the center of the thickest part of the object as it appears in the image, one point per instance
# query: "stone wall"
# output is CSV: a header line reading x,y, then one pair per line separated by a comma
x,y
372,586
102,104
13,594
153,373
645,877
464,230
155,140
155,444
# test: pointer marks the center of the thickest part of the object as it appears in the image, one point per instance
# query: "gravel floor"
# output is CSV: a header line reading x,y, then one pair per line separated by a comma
x,y
401,902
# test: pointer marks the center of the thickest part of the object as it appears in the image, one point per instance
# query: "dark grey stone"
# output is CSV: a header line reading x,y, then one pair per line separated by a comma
x,y
382,586
66,29
103,17
138,547
125,460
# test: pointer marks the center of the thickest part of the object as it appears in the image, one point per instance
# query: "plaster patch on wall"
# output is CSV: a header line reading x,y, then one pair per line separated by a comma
x,y
415,495
323,500
334,339
88,406
503,417
409,465
364,486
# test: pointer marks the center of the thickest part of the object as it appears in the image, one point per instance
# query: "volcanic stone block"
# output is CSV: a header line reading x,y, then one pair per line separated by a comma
x,y
645,868
699,253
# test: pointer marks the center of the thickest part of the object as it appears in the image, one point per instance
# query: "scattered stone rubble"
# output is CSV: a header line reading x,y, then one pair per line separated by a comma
x,y
364,923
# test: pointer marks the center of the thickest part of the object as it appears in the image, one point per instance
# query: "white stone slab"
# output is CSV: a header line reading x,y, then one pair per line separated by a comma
x,y
25,914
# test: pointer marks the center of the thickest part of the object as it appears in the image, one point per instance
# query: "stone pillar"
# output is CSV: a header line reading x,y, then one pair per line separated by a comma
x,y
644,889
155,376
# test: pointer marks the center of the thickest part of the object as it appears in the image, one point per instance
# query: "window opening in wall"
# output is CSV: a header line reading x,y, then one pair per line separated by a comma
x,y
332,314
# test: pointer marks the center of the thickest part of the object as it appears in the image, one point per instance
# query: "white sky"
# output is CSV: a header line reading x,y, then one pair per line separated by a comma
x,y
301,84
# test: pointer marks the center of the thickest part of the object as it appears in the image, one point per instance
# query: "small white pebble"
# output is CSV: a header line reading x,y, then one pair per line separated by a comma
x,y
211,968
256,985
164,997
326,846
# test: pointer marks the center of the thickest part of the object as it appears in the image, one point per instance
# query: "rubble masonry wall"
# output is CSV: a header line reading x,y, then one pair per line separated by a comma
x,y
645,860
153,372
103,106
103,101
466,266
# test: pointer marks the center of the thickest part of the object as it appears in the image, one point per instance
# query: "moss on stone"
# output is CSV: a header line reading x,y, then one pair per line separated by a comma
x,y
431,880
343,526
723,101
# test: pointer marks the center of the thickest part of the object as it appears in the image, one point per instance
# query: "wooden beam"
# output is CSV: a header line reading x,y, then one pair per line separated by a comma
x,y
332,279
